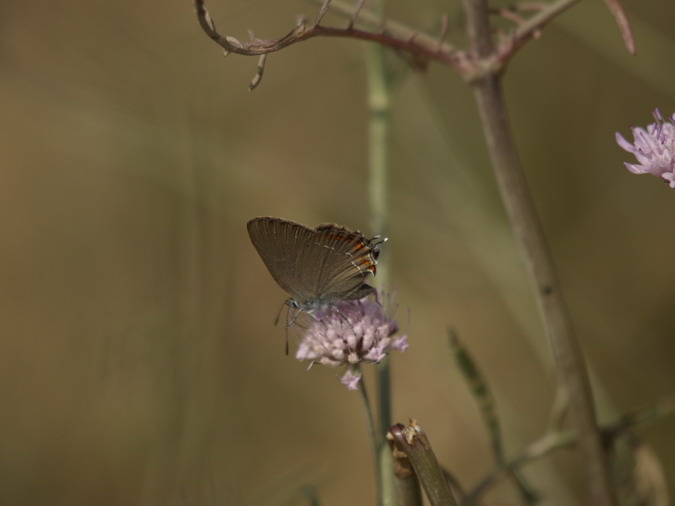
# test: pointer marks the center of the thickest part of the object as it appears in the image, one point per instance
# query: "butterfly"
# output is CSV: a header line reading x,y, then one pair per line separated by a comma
x,y
318,267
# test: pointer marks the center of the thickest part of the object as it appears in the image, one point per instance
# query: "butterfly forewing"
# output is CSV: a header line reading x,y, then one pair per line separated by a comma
x,y
282,245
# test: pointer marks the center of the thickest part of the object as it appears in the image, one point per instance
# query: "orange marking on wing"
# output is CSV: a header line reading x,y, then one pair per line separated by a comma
x,y
370,265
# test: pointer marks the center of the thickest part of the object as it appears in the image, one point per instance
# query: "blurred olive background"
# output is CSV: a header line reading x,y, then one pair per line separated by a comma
x,y
139,364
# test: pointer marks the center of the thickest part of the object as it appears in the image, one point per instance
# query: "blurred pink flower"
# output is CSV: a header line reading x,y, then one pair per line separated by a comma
x,y
654,149
350,333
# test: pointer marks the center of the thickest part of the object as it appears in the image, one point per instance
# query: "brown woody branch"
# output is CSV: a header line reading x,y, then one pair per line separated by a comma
x,y
423,48
419,47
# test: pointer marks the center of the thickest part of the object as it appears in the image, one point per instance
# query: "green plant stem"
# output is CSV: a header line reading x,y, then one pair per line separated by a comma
x,y
374,436
570,367
378,139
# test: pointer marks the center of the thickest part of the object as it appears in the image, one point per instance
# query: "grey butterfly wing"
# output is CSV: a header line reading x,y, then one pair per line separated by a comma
x,y
283,247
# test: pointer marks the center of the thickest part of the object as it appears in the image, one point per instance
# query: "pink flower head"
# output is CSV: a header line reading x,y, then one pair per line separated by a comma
x,y
350,333
654,149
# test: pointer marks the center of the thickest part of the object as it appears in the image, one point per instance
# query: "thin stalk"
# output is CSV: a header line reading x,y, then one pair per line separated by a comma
x,y
556,439
378,149
374,437
482,393
378,162
534,451
570,366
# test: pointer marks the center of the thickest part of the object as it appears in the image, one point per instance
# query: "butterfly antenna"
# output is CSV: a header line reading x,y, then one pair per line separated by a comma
x,y
287,303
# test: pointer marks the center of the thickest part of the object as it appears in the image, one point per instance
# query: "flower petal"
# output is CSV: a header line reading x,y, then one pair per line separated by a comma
x,y
653,147
351,379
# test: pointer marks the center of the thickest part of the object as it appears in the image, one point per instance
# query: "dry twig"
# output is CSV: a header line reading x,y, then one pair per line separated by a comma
x,y
422,48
